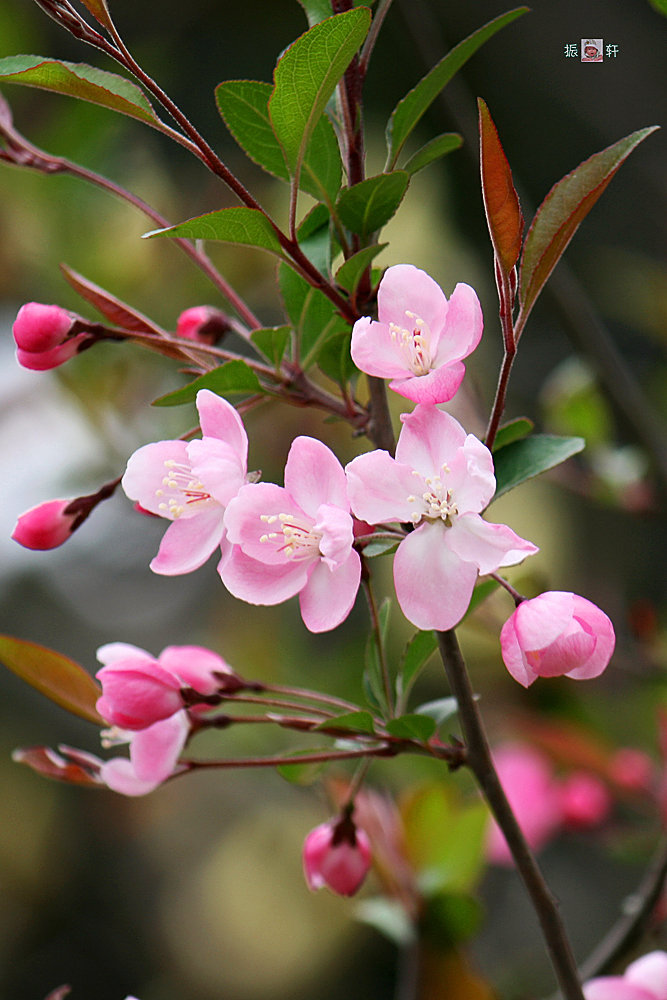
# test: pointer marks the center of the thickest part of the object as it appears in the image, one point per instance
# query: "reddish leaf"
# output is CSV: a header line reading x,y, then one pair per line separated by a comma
x,y
501,202
116,312
56,676
558,217
72,767
99,10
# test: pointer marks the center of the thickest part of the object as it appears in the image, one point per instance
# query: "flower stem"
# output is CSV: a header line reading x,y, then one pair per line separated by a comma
x,y
481,764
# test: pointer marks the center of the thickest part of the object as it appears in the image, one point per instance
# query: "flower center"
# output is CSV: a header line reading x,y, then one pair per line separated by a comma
x,y
181,490
413,342
435,503
295,537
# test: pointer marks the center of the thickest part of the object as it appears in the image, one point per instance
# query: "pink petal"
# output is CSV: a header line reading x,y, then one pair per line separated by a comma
x,y
650,973
379,487
146,470
259,583
194,666
374,350
463,327
429,439
244,520
314,476
438,386
114,651
587,612
513,656
154,751
529,785
219,419
405,288
218,467
188,542
542,619
329,595
615,988
487,546
470,477
570,651
119,775
337,534
433,585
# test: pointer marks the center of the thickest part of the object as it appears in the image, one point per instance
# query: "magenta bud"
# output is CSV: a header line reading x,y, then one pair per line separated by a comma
x,y
338,855
45,526
203,323
38,328
41,361
136,692
585,801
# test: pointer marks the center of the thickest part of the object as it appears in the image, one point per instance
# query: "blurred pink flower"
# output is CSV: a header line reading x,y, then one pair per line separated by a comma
x,y
191,483
419,338
45,526
585,800
295,540
554,634
336,854
534,795
644,979
439,482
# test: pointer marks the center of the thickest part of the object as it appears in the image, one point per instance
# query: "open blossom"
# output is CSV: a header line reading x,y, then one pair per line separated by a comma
x,y
555,634
336,854
439,481
154,753
296,540
644,979
190,484
419,338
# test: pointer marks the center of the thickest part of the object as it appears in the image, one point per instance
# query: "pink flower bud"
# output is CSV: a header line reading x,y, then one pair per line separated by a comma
x,y
202,323
38,328
631,769
337,854
45,526
557,634
136,692
42,361
585,801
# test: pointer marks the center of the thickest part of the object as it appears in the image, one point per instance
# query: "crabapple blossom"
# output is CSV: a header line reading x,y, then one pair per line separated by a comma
x,y
439,482
419,338
190,484
295,539
644,979
45,526
555,634
154,753
336,854
42,336
203,323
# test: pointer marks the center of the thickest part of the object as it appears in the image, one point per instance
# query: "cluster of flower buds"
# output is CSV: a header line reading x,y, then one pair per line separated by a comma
x,y
46,335
644,979
337,854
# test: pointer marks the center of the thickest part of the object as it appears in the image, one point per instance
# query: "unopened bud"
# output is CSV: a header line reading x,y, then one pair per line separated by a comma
x,y
203,323
45,526
39,327
336,854
585,801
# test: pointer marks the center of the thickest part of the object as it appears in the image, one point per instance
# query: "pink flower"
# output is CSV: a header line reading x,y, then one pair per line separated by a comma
x,y
585,801
42,335
138,690
190,484
45,526
554,634
529,784
419,338
644,979
202,323
296,540
439,481
336,854
154,754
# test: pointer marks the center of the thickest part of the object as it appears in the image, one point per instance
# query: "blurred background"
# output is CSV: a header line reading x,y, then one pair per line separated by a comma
x,y
196,891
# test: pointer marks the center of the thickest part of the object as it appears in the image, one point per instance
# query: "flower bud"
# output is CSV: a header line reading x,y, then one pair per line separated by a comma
x,y
585,801
42,361
38,328
203,323
556,634
136,692
45,526
336,854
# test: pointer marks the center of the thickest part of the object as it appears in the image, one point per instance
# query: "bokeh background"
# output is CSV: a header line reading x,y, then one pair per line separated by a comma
x,y
196,891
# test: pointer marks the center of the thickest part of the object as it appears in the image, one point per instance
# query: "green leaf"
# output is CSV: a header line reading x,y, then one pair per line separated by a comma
x,y
312,314
245,226
322,166
501,202
558,217
445,838
232,377
62,680
351,272
439,710
306,76
316,10
314,236
412,727
373,675
513,430
480,594
531,456
448,920
302,774
78,80
359,722
335,360
388,917
417,654
433,150
381,547
272,341
410,109
368,205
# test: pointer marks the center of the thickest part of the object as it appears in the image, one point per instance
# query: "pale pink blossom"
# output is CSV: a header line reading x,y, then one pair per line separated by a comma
x,y
534,795
644,979
295,539
419,338
336,854
43,336
45,526
439,482
585,800
190,484
154,754
555,634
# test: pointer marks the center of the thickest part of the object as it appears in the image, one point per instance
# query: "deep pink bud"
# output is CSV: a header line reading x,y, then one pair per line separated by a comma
x,y
202,323
585,801
39,327
556,634
45,526
336,854
136,692
42,361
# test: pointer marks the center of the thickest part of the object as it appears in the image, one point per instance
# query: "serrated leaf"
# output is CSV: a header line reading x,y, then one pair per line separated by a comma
x,y
560,214
108,305
241,225
351,272
417,653
306,76
359,722
438,147
513,430
368,205
410,109
272,341
501,202
531,456
79,80
412,727
62,680
312,314
232,377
